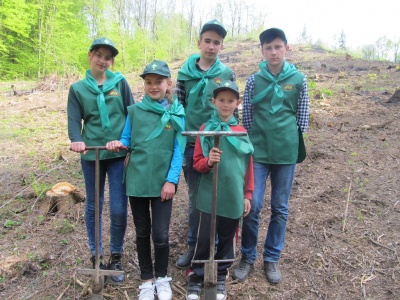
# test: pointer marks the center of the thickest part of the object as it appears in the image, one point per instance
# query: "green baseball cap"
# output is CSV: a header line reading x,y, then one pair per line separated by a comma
x,y
106,43
157,67
215,26
226,85
269,35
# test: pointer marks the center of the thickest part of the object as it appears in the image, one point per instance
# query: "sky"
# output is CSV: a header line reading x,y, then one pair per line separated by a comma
x,y
362,21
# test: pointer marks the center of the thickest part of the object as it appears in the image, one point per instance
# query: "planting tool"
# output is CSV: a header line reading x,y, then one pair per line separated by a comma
x,y
211,265
98,274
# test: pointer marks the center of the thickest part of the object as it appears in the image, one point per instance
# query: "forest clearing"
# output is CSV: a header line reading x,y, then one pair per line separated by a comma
x,y
343,234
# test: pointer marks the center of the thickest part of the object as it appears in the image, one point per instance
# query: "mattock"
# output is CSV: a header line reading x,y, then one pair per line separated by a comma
x,y
98,274
211,265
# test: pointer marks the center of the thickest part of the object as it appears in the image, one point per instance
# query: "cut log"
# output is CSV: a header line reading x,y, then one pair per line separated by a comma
x,y
395,98
61,199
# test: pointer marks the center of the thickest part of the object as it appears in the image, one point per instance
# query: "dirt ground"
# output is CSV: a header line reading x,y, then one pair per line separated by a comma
x,y
343,233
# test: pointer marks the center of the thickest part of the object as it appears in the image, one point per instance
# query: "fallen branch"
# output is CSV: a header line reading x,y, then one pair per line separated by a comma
x,y
382,245
63,292
346,208
176,287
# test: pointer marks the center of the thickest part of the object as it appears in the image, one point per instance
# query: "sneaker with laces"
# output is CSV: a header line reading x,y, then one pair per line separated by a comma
x,y
163,288
242,270
221,290
193,290
146,291
102,267
115,264
272,272
185,259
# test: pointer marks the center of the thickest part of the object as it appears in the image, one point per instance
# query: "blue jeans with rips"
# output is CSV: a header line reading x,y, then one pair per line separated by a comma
x,y
281,185
118,203
192,178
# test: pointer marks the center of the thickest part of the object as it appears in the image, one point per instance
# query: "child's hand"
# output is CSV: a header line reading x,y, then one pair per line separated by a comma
x,y
79,147
247,207
214,156
114,146
168,191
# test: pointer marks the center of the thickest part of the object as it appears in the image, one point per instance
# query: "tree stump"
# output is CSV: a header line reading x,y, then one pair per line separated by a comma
x,y
395,98
60,199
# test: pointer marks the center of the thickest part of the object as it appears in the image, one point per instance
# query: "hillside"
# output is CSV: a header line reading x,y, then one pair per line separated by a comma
x,y
343,234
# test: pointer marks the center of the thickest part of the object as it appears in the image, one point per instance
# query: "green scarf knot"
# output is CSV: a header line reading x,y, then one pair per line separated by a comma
x,y
241,143
288,70
109,84
189,71
173,114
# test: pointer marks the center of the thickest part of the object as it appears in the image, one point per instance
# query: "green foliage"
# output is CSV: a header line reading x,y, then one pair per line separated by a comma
x,y
372,76
327,92
64,226
11,223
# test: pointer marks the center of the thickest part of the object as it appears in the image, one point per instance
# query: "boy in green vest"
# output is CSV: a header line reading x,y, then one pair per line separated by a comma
x,y
197,79
275,113
235,187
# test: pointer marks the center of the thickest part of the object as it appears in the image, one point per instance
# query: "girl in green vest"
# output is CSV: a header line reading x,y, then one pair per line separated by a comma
x,y
153,133
235,187
100,100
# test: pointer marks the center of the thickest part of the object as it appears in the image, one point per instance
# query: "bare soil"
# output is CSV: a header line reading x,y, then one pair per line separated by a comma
x,y
343,234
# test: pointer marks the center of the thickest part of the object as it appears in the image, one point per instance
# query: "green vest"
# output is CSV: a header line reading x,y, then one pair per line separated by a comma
x,y
149,161
275,136
92,133
230,192
196,114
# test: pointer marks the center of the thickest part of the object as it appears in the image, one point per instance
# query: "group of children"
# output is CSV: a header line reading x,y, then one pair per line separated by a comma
x,y
147,152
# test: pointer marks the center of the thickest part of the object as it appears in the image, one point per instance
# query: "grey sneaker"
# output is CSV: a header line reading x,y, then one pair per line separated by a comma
x,y
115,264
242,270
193,290
272,272
185,259
221,290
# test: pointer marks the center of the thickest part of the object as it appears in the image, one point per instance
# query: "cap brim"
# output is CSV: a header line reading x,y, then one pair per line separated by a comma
x,y
209,27
225,88
114,50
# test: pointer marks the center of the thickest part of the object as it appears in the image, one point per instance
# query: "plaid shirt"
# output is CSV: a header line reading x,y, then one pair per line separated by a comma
x,y
302,105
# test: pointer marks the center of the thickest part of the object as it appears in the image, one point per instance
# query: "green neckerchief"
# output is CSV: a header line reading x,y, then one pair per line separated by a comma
x,y
108,85
189,71
243,145
173,113
288,70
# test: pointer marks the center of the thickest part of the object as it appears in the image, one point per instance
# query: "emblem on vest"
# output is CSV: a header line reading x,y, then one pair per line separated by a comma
x,y
218,80
168,126
287,87
113,93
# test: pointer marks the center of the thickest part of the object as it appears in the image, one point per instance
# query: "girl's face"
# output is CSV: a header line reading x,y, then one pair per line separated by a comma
x,y
156,86
100,60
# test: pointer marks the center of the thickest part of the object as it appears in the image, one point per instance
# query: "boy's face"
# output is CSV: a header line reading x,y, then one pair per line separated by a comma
x,y
210,44
156,86
225,102
274,52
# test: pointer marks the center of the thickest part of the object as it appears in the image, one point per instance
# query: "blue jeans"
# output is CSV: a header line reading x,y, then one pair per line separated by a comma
x,y
281,185
118,203
192,178
155,224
